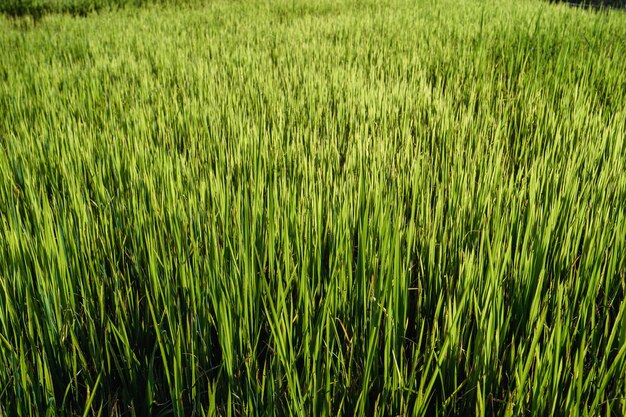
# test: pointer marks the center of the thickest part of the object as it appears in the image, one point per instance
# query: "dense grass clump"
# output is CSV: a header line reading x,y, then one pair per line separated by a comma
x,y
36,9
595,4
314,208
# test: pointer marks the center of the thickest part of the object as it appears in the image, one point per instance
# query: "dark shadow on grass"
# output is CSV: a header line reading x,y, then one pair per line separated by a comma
x,y
594,4
36,9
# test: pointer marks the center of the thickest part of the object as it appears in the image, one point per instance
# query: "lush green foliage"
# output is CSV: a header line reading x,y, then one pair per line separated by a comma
x,y
36,9
618,4
314,208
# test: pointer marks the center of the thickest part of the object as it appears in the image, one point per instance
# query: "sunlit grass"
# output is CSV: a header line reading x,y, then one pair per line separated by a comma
x,y
314,208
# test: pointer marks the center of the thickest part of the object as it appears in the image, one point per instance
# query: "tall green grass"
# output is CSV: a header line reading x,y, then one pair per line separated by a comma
x,y
314,208
36,9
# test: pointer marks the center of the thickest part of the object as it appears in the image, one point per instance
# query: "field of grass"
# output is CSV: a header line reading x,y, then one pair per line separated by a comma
x,y
314,208
36,9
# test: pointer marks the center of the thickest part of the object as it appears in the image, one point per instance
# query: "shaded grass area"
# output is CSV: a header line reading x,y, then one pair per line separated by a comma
x,y
36,9
595,4
618,4
304,208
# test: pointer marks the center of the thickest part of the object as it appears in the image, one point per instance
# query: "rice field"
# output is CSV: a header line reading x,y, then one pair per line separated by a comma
x,y
313,208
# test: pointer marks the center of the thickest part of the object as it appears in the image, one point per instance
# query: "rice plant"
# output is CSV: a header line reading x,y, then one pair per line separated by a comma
x,y
314,208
